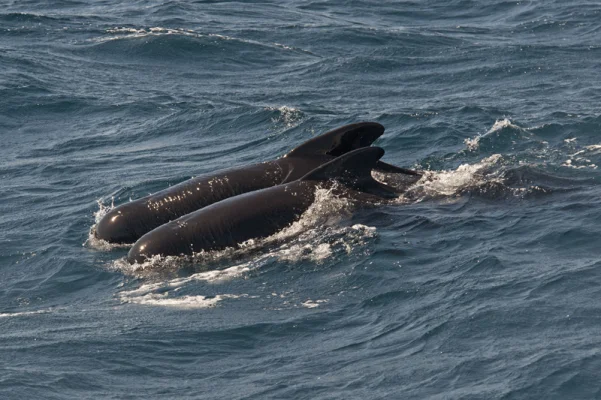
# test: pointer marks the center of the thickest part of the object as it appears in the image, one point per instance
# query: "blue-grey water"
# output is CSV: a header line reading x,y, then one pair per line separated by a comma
x,y
482,282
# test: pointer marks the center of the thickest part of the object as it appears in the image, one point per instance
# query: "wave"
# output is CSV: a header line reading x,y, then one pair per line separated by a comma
x,y
328,211
318,236
502,132
217,51
540,146
288,117
24,313
584,156
23,17
162,300
436,184
315,245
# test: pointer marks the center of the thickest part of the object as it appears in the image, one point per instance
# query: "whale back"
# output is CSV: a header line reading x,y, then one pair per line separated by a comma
x,y
353,170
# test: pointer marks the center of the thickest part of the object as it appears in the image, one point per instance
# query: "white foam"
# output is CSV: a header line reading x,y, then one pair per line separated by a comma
x,y
326,211
23,313
185,302
296,252
449,183
94,242
302,248
569,164
120,33
103,209
315,237
130,33
502,124
288,116
579,159
305,248
158,293
474,143
313,304
212,276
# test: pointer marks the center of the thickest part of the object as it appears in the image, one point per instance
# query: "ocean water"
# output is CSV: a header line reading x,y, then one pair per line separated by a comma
x,y
481,282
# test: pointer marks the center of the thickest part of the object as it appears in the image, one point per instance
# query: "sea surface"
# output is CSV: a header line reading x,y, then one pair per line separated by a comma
x,y
482,281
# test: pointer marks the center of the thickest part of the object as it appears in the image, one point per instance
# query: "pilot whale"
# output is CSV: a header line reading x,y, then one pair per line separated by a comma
x,y
127,222
262,213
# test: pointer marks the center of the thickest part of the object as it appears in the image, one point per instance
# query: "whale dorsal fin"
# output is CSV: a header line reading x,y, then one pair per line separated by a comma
x,y
347,138
340,140
354,170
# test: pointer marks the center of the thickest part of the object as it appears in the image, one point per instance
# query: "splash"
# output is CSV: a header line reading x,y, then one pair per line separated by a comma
x,y
473,144
450,183
332,241
313,304
119,33
183,302
570,163
326,211
502,124
581,160
94,242
316,237
289,117
157,267
24,313
164,294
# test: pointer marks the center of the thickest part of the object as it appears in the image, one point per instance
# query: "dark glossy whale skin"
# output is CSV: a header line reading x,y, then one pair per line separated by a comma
x,y
127,222
262,213
227,223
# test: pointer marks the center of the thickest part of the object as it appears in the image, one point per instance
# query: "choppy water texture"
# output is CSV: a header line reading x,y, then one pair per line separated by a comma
x,y
482,282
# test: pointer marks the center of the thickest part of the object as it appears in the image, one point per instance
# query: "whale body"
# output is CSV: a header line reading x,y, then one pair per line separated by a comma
x,y
262,213
127,222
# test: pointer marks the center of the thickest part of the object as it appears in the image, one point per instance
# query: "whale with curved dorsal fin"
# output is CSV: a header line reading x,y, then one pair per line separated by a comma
x,y
127,222
262,213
